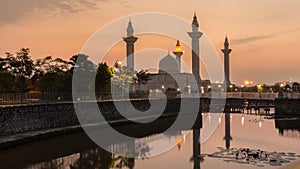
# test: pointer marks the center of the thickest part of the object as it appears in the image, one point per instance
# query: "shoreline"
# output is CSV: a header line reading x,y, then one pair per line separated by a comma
x,y
19,139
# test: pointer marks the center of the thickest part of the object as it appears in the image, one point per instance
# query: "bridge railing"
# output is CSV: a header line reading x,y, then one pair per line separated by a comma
x,y
289,95
48,97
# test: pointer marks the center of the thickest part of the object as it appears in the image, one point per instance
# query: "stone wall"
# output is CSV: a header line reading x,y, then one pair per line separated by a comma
x,y
20,119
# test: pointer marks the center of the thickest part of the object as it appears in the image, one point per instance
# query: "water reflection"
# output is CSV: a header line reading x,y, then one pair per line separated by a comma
x,y
228,137
92,159
288,127
256,157
252,147
197,157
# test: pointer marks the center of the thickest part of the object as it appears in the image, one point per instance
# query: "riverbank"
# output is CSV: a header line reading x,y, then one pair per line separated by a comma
x,y
60,146
28,137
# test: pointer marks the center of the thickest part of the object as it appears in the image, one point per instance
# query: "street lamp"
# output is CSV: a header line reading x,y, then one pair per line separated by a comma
x,y
230,87
189,89
202,90
119,63
163,88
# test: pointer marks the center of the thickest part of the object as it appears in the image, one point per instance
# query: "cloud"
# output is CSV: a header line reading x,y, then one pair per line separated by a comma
x,y
13,10
262,37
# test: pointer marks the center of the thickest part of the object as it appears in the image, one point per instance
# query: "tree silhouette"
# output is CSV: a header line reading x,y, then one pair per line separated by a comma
x,y
22,65
103,78
142,77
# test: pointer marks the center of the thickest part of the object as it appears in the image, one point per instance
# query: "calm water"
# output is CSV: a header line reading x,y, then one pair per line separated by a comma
x,y
279,139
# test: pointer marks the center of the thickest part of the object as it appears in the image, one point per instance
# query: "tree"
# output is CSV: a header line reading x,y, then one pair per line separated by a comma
x,y
83,78
142,77
5,62
103,78
52,82
7,82
123,78
22,65
45,71
97,158
296,87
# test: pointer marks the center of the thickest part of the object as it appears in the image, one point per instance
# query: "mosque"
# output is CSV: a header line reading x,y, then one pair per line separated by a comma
x,y
169,75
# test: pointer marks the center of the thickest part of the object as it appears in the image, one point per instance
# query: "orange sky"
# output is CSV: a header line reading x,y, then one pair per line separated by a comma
x,y
264,35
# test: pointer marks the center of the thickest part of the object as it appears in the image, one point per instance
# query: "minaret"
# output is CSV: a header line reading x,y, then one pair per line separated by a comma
x,y
226,52
195,36
178,53
130,40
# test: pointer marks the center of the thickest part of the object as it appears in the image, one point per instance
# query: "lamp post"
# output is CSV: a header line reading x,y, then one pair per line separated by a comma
x,y
163,88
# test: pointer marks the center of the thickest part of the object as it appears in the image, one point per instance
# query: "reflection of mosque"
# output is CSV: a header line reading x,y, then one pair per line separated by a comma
x,y
102,159
170,74
288,128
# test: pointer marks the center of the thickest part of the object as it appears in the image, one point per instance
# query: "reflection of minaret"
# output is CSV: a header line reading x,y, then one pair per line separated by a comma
x,y
178,53
131,163
196,142
227,129
130,40
195,35
226,52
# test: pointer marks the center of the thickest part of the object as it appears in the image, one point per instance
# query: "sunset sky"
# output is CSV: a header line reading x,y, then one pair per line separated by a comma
x,y
264,35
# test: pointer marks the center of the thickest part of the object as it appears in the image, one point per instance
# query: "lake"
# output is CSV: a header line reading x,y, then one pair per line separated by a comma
x,y
239,141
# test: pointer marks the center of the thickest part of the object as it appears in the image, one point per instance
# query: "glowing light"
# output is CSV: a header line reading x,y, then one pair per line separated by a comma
x,y
220,120
179,142
248,82
243,120
202,90
178,47
281,85
209,118
260,124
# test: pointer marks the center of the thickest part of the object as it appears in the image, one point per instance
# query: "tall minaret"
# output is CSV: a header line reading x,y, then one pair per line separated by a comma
x,y
130,40
195,35
178,53
226,52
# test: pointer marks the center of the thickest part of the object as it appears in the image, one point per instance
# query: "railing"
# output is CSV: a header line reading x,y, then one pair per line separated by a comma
x,y
237,95
27,98
35,98
289,95
48,97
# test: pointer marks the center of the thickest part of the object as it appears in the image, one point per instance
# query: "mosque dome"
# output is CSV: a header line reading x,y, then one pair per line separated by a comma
x,y
168,65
